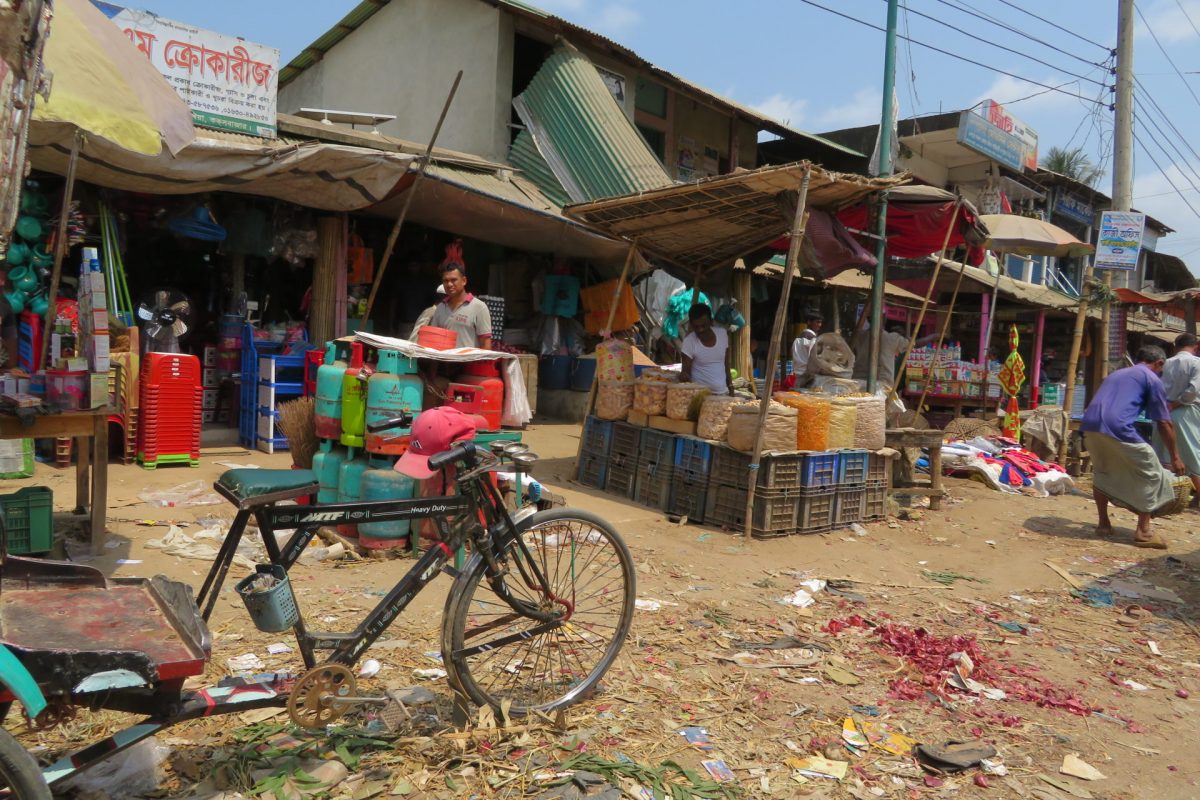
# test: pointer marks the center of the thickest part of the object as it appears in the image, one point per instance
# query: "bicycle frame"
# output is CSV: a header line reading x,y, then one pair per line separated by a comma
x,y
456,517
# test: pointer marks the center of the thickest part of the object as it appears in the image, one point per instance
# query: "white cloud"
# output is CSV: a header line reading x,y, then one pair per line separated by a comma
x,y
615,18
788,110
863,108
1170,23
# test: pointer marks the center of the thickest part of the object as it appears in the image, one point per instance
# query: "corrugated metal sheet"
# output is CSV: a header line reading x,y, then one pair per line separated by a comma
x,y
581,132
524,156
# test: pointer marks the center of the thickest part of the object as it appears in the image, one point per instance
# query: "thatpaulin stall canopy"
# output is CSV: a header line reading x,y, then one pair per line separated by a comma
x,y
315,174
708,224
917,221
851,280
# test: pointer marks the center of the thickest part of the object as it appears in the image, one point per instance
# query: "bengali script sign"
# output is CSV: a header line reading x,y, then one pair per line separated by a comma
x,y
1120,239
230,84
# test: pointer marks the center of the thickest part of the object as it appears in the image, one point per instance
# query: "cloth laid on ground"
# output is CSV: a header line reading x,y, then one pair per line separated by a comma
x,y
1129,473
1004,465
516,402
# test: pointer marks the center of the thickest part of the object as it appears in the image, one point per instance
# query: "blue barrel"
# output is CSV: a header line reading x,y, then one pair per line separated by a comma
x,y
554,372
583,372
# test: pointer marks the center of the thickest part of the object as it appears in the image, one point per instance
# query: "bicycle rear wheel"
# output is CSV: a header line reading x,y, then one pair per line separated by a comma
x,y
494,654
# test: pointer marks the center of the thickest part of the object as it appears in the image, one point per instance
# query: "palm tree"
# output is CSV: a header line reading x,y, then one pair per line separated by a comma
x,y
1073,163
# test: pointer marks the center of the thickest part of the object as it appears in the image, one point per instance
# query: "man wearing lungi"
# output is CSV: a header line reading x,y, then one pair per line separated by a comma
x,y
1181,381
1125,467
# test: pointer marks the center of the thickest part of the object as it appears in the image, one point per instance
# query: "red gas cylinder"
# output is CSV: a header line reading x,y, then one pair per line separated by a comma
x,y
486,375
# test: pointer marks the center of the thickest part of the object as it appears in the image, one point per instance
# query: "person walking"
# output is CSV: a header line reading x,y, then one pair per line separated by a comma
x,y
1125,467
1181,382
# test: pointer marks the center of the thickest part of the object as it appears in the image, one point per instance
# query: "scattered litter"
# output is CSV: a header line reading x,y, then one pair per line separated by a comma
x,y
1011,627
278,648
247,662
800,599
649,604
127,561
948,578
369,668
1076,767
855,740
697,737
719,770
817,766
135,771
858,530
192,493
953,756
1063,786
841,676
1153,646
1137,687
178,543
1095,597
869,711
432,674
994,766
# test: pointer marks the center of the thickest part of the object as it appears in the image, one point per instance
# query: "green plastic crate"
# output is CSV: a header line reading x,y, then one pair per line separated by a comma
x,y
29,520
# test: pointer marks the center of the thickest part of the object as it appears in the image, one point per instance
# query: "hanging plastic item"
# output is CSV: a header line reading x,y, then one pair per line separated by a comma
x,y
1012,377
677,310
199,223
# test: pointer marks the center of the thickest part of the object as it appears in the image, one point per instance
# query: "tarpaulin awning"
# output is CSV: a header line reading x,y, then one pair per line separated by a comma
x,y
828,248
709,223
503,208
917,218
851,280
314,174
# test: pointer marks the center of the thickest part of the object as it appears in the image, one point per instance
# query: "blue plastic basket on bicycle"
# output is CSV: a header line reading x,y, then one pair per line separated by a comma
x,y
272,610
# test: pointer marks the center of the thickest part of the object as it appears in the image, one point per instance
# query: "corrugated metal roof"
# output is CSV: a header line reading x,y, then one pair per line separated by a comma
x,y
524,156
588,142
505,186
367,9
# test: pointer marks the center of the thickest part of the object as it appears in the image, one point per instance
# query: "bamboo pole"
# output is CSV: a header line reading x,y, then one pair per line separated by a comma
x,y
916,329
741,339
324,309
941,338
612,312
422,163
799,225
60,249
1073,359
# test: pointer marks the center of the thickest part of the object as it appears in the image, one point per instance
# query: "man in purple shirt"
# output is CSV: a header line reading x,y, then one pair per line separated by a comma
x,y
1124,466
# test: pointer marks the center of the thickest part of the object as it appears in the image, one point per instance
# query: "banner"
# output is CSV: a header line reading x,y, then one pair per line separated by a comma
x,y
1120,241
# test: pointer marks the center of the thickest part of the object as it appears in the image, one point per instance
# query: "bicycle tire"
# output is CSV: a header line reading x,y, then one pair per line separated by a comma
x,y
20,776
557,653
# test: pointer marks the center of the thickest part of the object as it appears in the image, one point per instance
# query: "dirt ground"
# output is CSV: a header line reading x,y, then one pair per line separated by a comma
x,y
1113,682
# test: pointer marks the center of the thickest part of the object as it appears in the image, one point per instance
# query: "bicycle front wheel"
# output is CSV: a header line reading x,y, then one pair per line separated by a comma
x,y
494,654
20,776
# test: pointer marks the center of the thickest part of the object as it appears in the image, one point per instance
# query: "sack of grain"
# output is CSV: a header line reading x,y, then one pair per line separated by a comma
x,y
650,396
870,424
614,399
812,427
679,399
614,360
779,429
842,416
714,416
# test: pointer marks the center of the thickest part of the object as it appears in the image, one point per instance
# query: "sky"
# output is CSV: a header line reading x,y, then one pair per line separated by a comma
x,y
818,71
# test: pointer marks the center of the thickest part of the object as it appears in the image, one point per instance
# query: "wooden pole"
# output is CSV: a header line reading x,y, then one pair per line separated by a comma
x,y
422,163
1073,360
612,312
799,224
60,249
916,329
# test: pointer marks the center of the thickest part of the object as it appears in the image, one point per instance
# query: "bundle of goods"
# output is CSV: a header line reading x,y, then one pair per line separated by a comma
x,y
650,391
614,399
779,428
684,400
715,412
815,413
870,421
614,360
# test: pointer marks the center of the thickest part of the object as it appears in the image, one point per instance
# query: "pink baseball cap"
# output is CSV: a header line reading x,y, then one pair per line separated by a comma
x,y
433,432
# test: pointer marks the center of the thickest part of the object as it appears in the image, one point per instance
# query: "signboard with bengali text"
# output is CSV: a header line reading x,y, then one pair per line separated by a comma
x,y
230,84
990,130
1120,241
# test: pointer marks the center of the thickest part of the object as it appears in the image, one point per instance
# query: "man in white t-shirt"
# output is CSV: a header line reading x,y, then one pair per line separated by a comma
x,y
706,352
802,345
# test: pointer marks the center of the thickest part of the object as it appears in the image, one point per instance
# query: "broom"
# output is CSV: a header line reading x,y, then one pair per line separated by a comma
x,y
298,422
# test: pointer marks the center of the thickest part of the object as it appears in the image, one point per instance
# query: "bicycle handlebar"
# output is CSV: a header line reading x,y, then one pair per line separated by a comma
x,y
463,451
405,420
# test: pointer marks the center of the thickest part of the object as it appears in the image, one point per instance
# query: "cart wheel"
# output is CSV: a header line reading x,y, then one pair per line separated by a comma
x,y
20,776
317,699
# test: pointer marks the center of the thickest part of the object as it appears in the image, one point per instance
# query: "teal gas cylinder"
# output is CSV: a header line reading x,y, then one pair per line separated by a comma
x,y
330,376
393,389
327,463
350,485
382,482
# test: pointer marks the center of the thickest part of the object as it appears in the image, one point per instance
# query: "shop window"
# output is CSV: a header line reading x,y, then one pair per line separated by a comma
x,y
657,141
651,98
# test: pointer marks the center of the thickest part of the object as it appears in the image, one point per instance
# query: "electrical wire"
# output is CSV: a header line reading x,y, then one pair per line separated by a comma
x,y
1008,49
936,49
1188,17
1184,175
1056,25
1147,117
912,68
1166,177
1004,25
1143,91
1163,50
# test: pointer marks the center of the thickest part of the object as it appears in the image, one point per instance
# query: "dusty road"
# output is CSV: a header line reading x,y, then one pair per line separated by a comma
x,y
1109,675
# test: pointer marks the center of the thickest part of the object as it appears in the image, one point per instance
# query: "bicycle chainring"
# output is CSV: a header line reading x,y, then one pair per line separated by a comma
x,y
316,700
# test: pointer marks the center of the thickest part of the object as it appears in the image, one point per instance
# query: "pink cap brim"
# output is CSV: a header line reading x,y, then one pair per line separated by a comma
x,y
415,466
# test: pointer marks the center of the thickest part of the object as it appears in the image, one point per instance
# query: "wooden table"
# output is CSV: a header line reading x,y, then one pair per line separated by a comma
x,y
90,431
898,438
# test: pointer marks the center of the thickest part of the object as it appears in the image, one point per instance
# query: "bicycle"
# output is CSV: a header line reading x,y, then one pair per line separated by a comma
x,y
534,619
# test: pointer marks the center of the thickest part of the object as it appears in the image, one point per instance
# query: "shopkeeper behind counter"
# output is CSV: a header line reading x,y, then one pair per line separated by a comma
x,y
462,312
706,352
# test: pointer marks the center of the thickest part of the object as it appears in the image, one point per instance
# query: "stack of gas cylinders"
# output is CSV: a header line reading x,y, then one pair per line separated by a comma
x,y
354,464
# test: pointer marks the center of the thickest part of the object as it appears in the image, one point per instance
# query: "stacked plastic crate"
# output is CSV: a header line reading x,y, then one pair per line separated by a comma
x,y
851,487
779,497
592,468
689,483
280,378
622,460
879,477
169,428
655,469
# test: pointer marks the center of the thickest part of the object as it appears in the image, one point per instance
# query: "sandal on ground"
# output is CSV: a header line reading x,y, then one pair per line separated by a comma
x,y
953,756
1155,542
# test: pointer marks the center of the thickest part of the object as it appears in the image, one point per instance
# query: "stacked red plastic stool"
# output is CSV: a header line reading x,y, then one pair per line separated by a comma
x,y
171,393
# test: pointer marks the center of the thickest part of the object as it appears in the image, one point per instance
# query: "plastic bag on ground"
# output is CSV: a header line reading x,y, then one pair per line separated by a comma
x,y
138,770
192,493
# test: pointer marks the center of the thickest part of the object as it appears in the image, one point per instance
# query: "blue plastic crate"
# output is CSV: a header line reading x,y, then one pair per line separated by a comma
x,y
852,467
692,457
592,470
657,449
819,469
597,437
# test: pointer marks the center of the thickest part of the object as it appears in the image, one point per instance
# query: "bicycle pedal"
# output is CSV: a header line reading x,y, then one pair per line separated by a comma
x,y
394,716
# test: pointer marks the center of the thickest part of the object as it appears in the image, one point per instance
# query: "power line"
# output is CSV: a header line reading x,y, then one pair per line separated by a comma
x,y
1163,50
1104,47
1188,17
1166,177
992,20
1009,49
1145,115
1163,114
1163,148
919,43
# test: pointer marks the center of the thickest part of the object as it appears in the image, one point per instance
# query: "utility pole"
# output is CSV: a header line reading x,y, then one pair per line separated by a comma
x,y
884,169
1122,184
